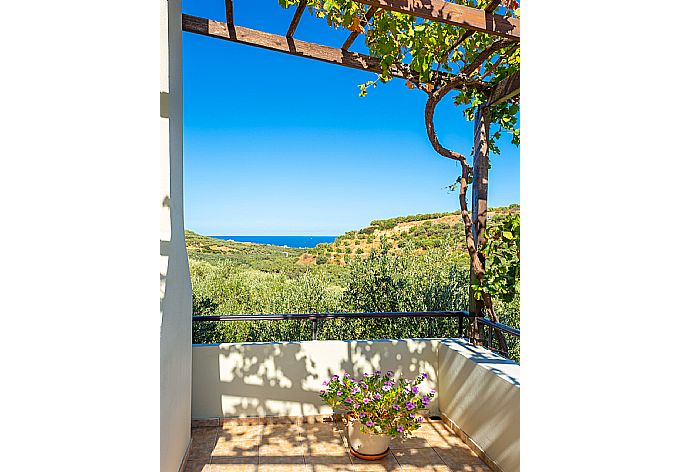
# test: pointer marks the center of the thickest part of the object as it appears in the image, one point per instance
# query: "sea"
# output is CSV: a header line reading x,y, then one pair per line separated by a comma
x,y
289,241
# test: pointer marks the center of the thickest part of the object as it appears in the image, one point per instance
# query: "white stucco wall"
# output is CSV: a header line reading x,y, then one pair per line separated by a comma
x,y
175,286
480,393
284,379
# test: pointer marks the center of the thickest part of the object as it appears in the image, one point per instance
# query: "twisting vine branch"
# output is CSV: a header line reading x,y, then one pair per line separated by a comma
x,y
434,97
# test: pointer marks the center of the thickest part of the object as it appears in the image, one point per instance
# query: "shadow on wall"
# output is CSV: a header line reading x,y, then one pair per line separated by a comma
x,y
284,379
265,379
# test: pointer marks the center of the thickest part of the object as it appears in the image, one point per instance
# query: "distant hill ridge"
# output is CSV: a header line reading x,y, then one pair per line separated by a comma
x,y
415,233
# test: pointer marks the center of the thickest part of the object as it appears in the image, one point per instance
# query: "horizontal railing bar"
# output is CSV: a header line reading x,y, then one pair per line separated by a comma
x,y
382,315
499,326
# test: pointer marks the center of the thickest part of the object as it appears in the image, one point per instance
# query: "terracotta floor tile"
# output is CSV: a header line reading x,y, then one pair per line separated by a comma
x,y
241,433
282,468
330,468
386,464
200,435
277,443
283,430
418,457
446,442
281,460
477,466
235,460
415,442
278,457
321,430
460,460
235,448
195,466
325,443
325,448
341,458
230,468
201,451
286,449
426,468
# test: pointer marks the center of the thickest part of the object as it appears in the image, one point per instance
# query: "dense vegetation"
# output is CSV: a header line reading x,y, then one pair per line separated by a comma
x,y
243,278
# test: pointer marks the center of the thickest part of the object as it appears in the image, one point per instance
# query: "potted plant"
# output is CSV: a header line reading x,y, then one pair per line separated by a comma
x,y
379,407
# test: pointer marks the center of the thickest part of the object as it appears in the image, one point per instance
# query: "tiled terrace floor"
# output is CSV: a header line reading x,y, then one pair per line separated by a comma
x,y
322,447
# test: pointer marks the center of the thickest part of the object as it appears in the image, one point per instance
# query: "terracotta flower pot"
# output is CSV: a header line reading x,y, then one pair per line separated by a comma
x,y
366,445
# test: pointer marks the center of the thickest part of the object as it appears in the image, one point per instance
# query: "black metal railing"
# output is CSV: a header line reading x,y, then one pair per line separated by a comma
x,y
487,330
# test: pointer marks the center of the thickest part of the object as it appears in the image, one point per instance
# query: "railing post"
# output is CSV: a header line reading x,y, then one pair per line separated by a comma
x,y
460,326
490,337
313,329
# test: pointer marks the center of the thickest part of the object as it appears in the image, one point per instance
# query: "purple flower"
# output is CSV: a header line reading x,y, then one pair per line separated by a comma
x,y
425,400
407,388
409,405
425,375
419,419
349,400
378,372
388,384
335,377
366,375
354,390
389,373
415,390
346,374
339,392
385,388
433,392
324,382
364,385
355,405
407,381
412,415
366,401
396,407
362,415
323,391
369,423
400,429
377,396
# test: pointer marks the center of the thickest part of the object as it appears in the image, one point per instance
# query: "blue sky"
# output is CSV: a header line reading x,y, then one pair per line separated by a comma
x,y
281,145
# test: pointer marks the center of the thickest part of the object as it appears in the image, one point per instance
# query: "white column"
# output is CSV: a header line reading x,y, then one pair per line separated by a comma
x,y
175,286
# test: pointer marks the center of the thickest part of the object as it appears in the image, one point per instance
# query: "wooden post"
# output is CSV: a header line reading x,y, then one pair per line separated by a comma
x,y
480,185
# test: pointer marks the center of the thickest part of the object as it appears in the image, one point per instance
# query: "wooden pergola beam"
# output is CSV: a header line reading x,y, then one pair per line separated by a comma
x,y
453,14
489,8
296,18
295,47
506,89
229,15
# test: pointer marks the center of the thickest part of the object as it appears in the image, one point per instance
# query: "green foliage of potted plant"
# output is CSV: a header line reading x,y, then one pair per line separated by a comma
x,y
379,407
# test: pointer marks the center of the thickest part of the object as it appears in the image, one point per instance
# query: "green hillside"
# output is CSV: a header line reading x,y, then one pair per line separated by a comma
x,y
411,263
